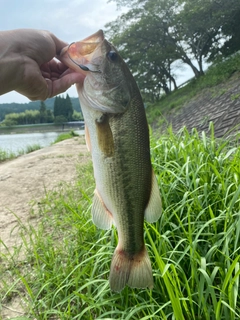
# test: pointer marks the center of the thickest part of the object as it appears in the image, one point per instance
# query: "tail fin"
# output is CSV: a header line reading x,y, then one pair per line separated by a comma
x,y
135,270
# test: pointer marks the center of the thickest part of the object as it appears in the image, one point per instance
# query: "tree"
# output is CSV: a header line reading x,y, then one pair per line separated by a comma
x,y
68,108
154,34
202,24
63,107
43,112
77,116
57,108
49,116
141,36
60,119
231,29
27,117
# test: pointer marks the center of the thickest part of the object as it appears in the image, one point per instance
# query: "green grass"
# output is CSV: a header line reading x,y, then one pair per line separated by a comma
x,y
34,147
8,155
65,136
194,247
216,74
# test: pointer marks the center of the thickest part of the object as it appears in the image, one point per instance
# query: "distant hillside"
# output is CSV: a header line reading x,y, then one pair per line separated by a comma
x,y
14,107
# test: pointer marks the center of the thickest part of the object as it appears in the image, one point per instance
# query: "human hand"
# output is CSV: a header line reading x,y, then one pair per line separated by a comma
x,y
29,66
59,77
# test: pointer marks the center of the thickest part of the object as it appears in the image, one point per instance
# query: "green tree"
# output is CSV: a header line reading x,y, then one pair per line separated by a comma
x,y
31,117
231,30
46,116
63,107
204,24
49,116
60,119
68,108
27,117
155,34
141,35
77,116
10,119
43,112
57,108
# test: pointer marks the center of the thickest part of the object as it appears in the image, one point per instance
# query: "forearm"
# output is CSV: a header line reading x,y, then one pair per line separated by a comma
x,y
11,61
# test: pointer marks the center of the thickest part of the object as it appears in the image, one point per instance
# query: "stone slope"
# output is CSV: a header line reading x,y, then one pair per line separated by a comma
x,y
220,105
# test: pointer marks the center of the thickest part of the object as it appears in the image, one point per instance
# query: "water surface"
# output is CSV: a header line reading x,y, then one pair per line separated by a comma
x,y
19,142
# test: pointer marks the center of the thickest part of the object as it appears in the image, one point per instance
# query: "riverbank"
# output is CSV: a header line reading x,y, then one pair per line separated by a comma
x,y
23,183
13,145
25,180
43,127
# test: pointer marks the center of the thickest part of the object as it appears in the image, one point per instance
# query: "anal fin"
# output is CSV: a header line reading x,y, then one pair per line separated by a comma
x,y
101,216
154,206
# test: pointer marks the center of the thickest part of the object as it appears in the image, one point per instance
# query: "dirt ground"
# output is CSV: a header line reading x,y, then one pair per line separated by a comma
x,y
25,180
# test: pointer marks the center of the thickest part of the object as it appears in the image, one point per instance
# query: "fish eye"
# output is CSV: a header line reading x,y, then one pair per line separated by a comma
x,y
112,56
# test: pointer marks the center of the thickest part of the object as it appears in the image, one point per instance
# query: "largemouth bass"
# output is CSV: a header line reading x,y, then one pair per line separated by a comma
x,y
116,132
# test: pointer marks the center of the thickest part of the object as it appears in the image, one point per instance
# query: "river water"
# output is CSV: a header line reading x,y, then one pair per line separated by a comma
x,y
19,142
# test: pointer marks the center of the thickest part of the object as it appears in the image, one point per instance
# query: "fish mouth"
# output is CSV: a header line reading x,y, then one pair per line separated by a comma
x,y
78,55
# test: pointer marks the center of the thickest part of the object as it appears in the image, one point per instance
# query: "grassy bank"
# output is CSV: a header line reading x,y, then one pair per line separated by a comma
x,y
216,74
8,155
65,136
194,247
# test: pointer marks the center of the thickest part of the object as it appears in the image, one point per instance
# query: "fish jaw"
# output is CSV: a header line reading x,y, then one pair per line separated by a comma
x,y
103,86
80,53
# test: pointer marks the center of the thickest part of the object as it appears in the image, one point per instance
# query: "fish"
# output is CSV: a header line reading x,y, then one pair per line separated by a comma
x,y
117,135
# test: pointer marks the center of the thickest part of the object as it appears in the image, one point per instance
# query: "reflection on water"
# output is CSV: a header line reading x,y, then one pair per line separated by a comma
x,y
19,142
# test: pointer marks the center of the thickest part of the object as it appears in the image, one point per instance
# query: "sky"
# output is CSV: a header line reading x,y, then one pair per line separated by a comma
x,y
69,20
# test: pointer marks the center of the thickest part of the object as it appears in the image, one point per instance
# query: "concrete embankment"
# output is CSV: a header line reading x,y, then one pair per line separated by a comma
x,y
220,105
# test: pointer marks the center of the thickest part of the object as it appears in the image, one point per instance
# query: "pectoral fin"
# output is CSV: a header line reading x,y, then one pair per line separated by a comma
x,y
101,217
154,207
105,136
